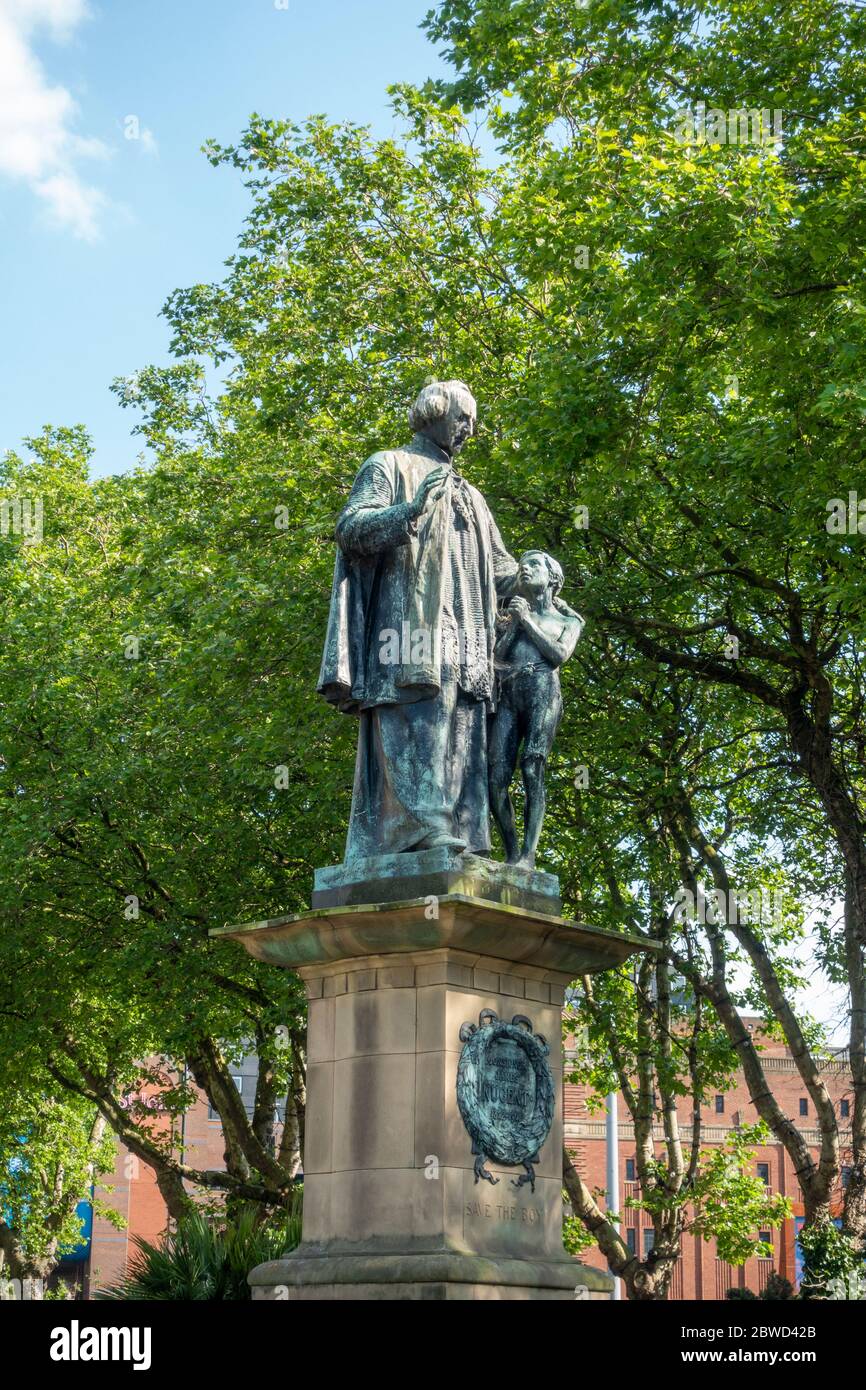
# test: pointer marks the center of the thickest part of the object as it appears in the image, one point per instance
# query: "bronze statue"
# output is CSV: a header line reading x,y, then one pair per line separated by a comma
x,y
537,635
409,649
420,574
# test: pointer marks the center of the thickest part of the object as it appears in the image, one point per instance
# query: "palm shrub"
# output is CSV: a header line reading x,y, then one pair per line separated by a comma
x,y
206,1261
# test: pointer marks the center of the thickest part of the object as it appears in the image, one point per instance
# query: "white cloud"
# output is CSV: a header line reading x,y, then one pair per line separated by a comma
x,y
38,144
72,204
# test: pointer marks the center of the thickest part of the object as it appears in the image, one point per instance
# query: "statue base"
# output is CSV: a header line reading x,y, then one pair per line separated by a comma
x,y
388,878
394,1204
438,1276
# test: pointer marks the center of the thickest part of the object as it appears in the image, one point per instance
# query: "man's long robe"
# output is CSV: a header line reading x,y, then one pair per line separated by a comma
x,y
402,590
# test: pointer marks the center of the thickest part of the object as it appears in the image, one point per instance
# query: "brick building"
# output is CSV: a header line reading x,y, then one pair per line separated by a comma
x,y
132,1190
699,1274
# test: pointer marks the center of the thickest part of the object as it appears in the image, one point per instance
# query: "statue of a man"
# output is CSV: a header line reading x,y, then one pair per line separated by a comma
x,y
410,640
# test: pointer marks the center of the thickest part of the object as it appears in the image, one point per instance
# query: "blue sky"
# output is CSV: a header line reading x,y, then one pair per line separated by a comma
x,y
96,228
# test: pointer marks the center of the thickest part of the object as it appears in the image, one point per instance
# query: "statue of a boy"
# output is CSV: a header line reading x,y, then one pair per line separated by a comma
x,y
537,634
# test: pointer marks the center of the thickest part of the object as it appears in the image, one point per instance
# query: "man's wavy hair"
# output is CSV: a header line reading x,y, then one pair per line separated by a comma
x,y
435,401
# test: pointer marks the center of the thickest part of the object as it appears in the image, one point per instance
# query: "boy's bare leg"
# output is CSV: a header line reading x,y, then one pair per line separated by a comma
x,y
502,760
533,768
503,813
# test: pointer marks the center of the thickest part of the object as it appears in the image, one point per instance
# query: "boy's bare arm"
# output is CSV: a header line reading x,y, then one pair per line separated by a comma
x,y
556,650
570,636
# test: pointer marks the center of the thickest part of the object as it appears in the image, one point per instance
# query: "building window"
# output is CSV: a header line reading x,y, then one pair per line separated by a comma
x,y
764,1173
766,1238
239,1083
649,1238
804,1106
845,1176
845,1109
631,1239
720,1105
630,1175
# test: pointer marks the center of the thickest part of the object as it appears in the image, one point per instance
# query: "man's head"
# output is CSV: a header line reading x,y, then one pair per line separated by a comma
x,y
446,412
536,572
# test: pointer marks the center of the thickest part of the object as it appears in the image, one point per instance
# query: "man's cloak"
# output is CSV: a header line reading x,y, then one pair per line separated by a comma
x,y
390,577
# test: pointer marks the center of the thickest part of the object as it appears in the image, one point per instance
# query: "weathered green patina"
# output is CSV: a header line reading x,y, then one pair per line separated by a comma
x,y
505,1093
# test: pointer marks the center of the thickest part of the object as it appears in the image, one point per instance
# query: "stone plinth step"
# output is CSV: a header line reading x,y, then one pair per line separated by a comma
x,y
435,872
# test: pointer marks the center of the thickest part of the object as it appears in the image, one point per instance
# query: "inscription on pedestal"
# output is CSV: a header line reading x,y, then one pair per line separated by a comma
x,y
501,1211
505,1094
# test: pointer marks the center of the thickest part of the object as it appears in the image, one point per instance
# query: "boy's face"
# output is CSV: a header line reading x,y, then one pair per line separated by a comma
x,y
533,576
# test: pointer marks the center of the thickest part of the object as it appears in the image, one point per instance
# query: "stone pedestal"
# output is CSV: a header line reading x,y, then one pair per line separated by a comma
x,y
393,1206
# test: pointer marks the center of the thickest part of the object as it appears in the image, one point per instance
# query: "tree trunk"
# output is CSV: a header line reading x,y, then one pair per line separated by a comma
x,y
31,1274
854,1216
645,1281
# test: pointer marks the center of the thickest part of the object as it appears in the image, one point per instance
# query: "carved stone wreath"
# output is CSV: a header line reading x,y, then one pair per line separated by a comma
x,y
505,1093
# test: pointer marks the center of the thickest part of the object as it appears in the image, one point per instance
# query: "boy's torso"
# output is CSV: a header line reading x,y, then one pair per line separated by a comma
x,y
524,653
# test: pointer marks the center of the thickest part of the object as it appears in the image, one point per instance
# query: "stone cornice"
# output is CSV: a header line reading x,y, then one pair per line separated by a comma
x,y
710,1134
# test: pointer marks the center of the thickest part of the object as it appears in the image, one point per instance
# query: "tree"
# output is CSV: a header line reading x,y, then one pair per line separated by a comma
x,y
688,832
52,1152
135,820
657,1046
